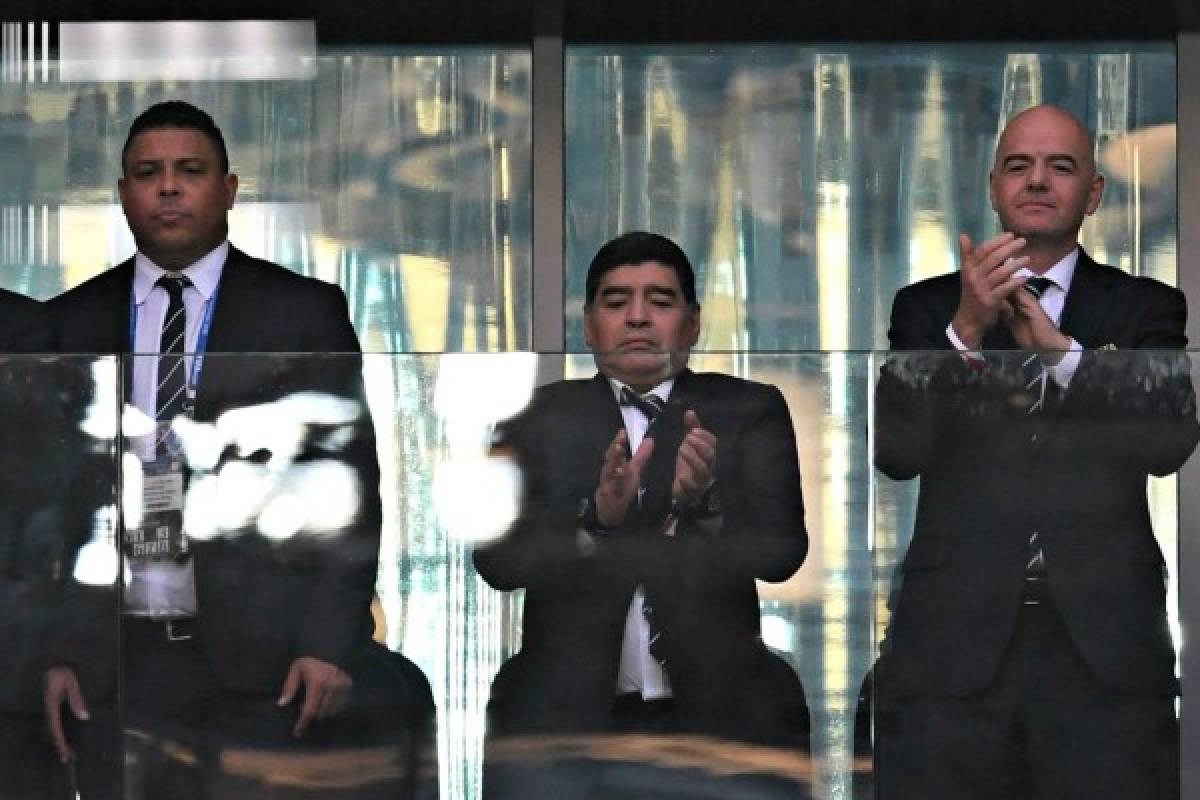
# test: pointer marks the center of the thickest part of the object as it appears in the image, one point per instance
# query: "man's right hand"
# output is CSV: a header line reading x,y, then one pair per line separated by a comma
x,y
61,686
620,477
989,277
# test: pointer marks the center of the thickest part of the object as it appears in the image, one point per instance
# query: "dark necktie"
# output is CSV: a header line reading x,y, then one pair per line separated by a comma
x,y
171,397
649,404
1032,370
1035,381
652,406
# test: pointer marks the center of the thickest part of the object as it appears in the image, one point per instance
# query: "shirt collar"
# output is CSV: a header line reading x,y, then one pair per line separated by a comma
x,y
663,390
1061,273
205,274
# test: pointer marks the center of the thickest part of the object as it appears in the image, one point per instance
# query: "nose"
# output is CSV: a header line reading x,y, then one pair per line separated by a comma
x,y
636,313
168,183
1037,175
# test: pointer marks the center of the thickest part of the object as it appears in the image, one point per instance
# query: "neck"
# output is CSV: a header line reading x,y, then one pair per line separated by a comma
x,y
1045,254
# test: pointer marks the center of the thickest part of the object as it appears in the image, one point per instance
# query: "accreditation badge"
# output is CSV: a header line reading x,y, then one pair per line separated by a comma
x,y
160,536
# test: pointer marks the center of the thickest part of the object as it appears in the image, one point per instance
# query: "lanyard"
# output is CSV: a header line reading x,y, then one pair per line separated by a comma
x,y
201,339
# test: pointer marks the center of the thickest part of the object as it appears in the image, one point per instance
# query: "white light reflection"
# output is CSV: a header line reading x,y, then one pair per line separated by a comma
x,y
179,50
97,564
280,498
100,418
473,393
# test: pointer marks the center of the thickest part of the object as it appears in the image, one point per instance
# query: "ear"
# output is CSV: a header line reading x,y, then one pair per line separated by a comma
x,y
589,335
693,334
992,189
1095,193
122,188
231,186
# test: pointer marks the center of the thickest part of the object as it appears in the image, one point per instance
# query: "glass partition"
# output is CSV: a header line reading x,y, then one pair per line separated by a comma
x,y
401,174
59,488
808,183
472,577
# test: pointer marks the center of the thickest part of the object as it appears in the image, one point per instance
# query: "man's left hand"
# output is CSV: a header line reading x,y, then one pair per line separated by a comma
x,y
326,690
1033,329
696,462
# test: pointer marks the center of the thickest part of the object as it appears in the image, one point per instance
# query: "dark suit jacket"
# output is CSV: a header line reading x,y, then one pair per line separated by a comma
x,y
33,434
260,605
1075,472
578,588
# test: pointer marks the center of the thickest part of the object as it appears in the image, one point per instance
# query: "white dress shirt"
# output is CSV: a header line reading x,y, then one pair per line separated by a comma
x,y
639,671
1052,301
164,588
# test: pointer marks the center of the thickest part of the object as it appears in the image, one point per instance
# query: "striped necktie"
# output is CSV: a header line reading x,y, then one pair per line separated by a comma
x,y
652,406
1032,370
171,397
1035,381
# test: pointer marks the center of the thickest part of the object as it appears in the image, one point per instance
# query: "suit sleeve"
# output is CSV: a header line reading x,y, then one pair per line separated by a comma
x,y
762,532
343,573
922,361
1138,405
543,544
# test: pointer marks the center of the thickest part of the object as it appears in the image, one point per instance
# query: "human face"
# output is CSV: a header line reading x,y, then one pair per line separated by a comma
x,y
639,326
1044,181
175,196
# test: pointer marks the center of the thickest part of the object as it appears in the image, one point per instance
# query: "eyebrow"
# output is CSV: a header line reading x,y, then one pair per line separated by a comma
x,y
1052,157
653,289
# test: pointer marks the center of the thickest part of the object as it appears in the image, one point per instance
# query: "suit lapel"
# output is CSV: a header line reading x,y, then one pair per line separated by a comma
x,y
668,435
1087,305
600,404
237,299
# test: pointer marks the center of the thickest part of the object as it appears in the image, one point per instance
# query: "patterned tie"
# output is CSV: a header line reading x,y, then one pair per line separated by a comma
x,y
172,370
649,404
1035,381
652,406
1031,368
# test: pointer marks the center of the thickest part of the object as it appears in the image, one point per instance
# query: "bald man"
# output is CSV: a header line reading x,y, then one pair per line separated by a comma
x,y
1028,654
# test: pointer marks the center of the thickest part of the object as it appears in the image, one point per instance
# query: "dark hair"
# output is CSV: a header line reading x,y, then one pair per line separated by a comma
x,y
638,247
177,114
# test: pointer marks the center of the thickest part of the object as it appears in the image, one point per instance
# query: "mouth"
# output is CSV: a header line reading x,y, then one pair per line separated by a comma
x,y
640,345
169,216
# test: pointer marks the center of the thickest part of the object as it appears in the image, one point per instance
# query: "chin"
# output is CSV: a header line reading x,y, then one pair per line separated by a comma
x,y
648,369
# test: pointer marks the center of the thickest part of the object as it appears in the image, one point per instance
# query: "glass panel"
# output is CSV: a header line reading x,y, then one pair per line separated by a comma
x,y
1036,573
59,422
280,514
400,174
808,184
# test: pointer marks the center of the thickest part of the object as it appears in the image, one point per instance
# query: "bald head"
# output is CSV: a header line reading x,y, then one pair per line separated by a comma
x,y
1044,182
1046,118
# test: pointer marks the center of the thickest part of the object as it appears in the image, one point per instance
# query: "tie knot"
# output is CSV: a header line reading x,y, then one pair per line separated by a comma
x,y
649,403
1038,285
174,283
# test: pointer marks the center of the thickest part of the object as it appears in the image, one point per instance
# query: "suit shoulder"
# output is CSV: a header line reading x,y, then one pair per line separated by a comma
x,y
1147,289
289,280
106,283
931,289
723,385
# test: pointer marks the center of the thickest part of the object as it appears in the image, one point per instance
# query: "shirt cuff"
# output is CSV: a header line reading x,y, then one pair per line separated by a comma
x,y
1064,370
973,357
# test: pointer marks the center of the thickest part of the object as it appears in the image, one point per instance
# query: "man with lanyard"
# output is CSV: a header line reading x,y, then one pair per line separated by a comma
x,y
653,499
275,636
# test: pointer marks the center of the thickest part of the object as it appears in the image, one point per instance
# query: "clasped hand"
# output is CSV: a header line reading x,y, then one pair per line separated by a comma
x,y
992,292
620,474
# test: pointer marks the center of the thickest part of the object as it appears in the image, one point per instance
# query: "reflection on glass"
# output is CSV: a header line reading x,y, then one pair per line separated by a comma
x,y
810,183
401,176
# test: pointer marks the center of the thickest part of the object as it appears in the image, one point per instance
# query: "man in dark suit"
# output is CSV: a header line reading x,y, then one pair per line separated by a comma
x,y
1028,653
33,420
653,498
247,638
